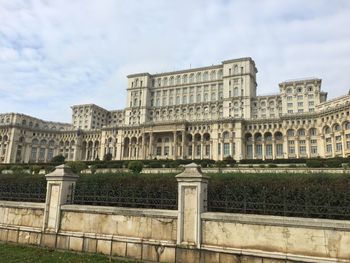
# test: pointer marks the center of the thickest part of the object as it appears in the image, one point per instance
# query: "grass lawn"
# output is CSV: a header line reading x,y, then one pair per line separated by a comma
x,y
15,253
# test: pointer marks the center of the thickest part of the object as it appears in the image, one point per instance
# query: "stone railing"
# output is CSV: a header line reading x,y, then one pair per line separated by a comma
x,y
190,234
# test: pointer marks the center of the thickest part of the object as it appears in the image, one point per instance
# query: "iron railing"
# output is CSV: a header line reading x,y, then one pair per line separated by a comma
x,y
121,195
23,192
311,202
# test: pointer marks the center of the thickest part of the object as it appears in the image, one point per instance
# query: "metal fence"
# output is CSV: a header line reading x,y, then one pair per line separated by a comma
x,y
311,202
25,192
120,195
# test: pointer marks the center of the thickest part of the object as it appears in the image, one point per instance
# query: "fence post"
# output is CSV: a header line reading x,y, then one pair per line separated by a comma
x,y
192,201
60,191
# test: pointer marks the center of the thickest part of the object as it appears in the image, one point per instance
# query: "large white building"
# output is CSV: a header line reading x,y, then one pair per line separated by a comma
x,y
210,112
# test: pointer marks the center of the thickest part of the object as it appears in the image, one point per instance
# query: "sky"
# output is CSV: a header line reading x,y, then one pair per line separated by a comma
x,y
58,53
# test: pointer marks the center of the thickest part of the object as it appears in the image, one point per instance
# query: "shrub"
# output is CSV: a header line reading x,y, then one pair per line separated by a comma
x,y
49,169
316,163
107,157
135,166
35,169
93,169
271,165
17,169
334,163
220,164
155,164
262,165
77,167
58,159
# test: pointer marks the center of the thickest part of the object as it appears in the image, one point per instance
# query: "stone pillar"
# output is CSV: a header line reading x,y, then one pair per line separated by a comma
x,y
151,145
175,146
183,153
192,196
60,191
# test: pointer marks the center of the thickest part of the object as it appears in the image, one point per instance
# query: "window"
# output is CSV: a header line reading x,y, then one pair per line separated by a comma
x,y
329,148
279,149
166,150
269,150
258,150
159,150
314,150
300,104
289,105
339,147
302,150
226,149
289,98
198,150
291,150
207,150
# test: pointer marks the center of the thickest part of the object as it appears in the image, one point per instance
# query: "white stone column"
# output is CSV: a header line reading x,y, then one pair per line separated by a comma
x,y
192,196
183,140
60,191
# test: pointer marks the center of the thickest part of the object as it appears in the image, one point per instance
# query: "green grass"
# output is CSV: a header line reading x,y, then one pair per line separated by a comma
x,y
11,253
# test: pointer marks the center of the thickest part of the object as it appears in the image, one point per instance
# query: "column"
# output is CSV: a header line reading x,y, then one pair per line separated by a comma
x,y
151,145
143,146
263,146
175,146
192,193
273,149
222,149
308,147
333,145
60,191
183,144
253,148
193,149
343,144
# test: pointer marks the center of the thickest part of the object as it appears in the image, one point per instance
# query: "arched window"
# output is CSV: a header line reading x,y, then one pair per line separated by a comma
x,y
313,132
198,77
301,132
290,133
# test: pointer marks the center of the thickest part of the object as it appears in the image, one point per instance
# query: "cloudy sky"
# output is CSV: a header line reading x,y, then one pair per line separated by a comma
x,y
54,54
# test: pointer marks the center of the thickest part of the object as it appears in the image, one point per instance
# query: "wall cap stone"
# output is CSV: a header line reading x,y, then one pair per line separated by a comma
x,y
172,214
278,221
192,171
29,205
62,172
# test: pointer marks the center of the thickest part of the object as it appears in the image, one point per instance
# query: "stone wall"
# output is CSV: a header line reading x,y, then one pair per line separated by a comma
x,y
190,234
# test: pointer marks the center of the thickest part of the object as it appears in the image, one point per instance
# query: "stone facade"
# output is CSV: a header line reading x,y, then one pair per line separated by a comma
x,y
209,112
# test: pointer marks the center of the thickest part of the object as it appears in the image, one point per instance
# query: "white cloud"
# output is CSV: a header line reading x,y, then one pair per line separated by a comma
x,y
57,53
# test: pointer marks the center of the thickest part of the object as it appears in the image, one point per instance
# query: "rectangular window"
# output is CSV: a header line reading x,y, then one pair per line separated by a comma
x,y
313,141
226,149
329,148
348,145
289,105
198,150
300,104
166,150
250,151
269,150
314,150
159,150
190,150
338,138
258,150
291,150
219,148
233,149
339,147
279,149
290,142
302,150
207,150
41,155
33,155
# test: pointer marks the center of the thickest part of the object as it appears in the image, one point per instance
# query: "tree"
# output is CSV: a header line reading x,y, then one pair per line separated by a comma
x,y
135,166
